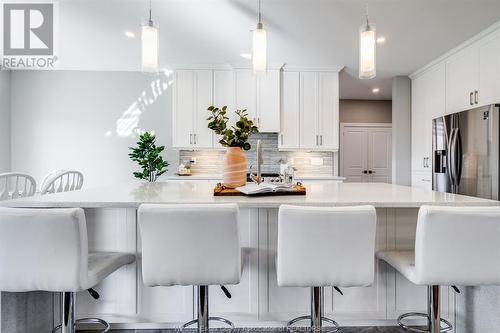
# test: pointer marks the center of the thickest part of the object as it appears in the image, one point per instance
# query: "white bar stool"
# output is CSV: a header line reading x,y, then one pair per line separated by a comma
x,y
191,244
453,246
320,246
47,250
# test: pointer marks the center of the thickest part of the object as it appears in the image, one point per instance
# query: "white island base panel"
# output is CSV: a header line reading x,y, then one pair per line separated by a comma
x,y
257,301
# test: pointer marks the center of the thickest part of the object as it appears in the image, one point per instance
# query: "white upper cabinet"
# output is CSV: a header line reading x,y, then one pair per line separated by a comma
x,y
203,97
309,138
268,101
223,96
290,108
183,109
489,70
473,75
310,110
246,92
328,112
462,80
260,95
194,92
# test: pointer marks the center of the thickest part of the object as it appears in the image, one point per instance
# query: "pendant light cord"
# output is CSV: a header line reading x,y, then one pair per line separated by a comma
x,y
260,15
366,15
150,20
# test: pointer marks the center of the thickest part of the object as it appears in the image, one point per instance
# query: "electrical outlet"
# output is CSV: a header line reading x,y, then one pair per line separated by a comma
x,y
316,161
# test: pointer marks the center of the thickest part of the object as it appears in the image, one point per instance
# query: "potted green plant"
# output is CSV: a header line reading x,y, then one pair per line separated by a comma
x,y
149,158
235,139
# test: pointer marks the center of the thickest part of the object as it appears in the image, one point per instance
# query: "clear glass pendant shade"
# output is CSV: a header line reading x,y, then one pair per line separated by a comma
x,y
259,55
367,52
150,46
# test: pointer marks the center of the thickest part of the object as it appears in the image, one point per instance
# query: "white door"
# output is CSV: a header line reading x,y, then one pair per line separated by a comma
x,y
183,109
462,80
309,138
355,154
290,111
203,136
366,153
489,71
268,101
328,112
245,92
380,155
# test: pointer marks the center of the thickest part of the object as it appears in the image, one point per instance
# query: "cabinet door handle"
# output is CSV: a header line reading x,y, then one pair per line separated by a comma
x,y
321,140
190,138
423,162
281,137
258,121
316,140
194,138
470,98
475,97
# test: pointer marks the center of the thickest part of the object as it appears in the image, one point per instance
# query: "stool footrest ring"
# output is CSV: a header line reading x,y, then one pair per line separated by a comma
x,y
447,325
327,329
104,324
219,319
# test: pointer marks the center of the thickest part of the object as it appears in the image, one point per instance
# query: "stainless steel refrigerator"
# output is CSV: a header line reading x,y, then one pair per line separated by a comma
x,y
466,152
466,161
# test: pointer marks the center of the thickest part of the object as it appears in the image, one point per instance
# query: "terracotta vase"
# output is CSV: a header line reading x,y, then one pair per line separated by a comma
x,y
235,167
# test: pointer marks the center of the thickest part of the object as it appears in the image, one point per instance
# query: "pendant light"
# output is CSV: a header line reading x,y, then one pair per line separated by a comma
x,y
259,55
150,45
367,50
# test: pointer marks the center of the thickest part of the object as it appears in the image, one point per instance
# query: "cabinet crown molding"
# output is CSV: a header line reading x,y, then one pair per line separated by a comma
x,y
201,67
312,68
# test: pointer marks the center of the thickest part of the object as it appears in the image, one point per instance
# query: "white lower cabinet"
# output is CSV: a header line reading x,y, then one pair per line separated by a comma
x,y
257,301
422,179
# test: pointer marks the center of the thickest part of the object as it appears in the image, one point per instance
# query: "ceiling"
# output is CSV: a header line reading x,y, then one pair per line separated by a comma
x,y
300,32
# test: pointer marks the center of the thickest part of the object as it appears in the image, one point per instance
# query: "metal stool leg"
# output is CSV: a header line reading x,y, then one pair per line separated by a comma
x,y
68,322
316,318
203,318
433,315
68,313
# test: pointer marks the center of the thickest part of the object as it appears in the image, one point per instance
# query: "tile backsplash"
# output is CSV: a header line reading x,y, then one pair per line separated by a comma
x,y
312,163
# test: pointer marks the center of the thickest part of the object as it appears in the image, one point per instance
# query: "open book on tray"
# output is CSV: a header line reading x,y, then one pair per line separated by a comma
x,y
253,189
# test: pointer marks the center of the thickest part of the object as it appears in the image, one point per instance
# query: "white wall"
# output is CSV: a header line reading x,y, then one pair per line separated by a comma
x,y
85,120
4,121
401,130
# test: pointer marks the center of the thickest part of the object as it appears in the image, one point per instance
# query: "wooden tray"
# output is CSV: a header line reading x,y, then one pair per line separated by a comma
x,y
221,191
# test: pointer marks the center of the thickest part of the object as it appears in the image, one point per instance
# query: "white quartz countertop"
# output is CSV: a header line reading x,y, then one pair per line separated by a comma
x,y
219,177
328,193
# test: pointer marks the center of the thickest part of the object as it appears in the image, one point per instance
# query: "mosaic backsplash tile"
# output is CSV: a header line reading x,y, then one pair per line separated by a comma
x,y
210,161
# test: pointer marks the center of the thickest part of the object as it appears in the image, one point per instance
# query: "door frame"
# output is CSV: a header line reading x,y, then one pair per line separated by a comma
x,y
341,134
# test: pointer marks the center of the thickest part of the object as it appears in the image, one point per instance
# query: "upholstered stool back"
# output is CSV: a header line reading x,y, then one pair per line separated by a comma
x,y
190,244
326,246
458,246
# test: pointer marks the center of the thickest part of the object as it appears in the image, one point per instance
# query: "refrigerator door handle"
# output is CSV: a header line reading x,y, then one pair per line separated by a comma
x,y
451,157
458,152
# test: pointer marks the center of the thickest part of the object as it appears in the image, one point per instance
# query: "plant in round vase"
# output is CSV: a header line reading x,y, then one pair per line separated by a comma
x,y
235,138
149,158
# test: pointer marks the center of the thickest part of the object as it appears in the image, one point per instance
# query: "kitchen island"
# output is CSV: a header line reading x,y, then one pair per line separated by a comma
x,y
257,301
